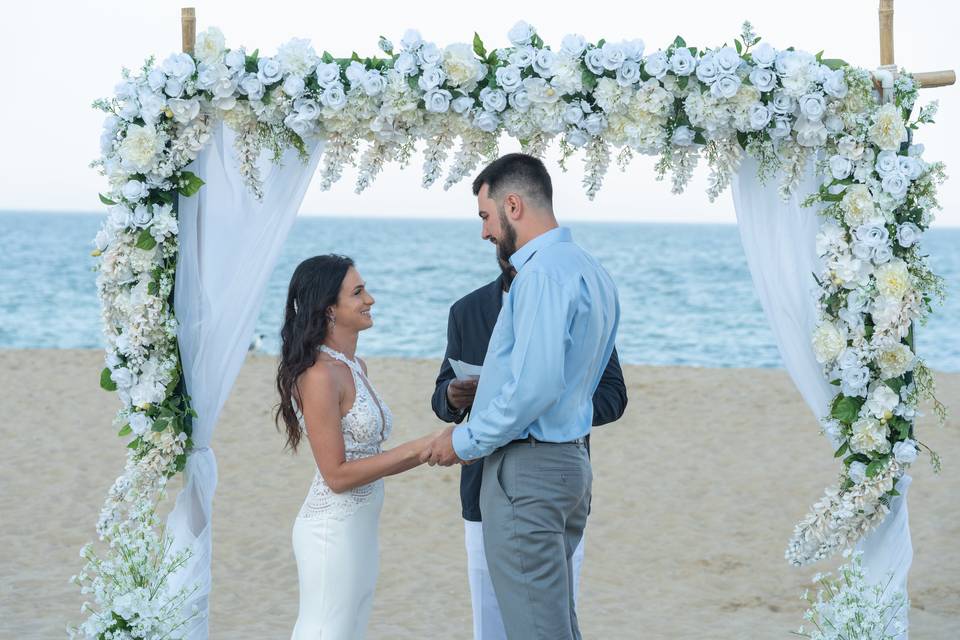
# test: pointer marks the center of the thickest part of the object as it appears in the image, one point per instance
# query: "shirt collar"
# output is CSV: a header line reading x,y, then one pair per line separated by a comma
x,y
542,241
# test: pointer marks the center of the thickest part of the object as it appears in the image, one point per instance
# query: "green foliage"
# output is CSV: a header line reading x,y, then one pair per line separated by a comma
x,y
106,382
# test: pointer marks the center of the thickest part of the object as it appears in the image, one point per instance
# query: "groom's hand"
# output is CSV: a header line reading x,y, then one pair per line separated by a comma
x,y
460,393
441,452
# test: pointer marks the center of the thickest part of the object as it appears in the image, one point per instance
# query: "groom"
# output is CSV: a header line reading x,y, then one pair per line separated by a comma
x,y
534,403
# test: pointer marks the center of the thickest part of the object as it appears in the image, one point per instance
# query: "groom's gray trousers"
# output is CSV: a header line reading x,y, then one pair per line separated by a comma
x,y
534,501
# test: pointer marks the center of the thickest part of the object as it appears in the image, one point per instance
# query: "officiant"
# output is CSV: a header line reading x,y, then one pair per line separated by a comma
x,y
469,327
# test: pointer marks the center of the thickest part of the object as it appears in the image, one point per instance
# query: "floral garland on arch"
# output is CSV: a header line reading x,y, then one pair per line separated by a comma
x,y
785,108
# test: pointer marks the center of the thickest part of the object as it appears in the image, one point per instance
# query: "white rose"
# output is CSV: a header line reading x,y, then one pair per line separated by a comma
x,y
908,234
840,167
893,279
854,381
139,148
594,61
184,110
294,85
905,452
462,104
521,33
355,73
849,147
151,106
140,423
780,128
725,86
328,73
895,360
594,124
544,63
834,124
269,71
656,65
888,131
508,78
910,167
682,62
519,100
251,86
896,185
373,83
406,63
411,40
522,57
614,55
236,59
431,78
628,73
306,108
576,137
836,84
764,55
887,163
486,121
123,378
573,114
437,100
828,342
759,116
783,104
134,190
872,233
728,60
429,54
334,97
882,254
707,69
813,106
763,79
210,74
493,99
573,45
857,472
633,49
225,87
141,216
210,45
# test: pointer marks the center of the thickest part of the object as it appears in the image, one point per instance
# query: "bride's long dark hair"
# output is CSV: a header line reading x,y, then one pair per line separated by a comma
x,y
314,288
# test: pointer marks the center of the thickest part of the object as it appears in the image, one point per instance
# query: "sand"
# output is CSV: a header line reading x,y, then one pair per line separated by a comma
x,y
696,491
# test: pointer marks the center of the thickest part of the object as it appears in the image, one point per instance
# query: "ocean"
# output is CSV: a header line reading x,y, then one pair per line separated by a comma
x,y
685,292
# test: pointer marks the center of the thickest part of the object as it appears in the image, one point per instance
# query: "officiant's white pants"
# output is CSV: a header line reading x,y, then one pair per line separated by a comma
x,y
487,623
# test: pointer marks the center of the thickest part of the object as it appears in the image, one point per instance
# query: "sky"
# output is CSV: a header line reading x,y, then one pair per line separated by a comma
x,y
66,54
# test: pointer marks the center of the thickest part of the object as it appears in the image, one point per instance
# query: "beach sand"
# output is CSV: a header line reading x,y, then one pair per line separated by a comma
x,y
696,492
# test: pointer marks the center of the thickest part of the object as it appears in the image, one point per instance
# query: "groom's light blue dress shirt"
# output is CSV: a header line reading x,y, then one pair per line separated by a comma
x,y
552,340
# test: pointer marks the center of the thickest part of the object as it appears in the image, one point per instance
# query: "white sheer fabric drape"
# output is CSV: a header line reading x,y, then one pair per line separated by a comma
x,y
229,244
779,241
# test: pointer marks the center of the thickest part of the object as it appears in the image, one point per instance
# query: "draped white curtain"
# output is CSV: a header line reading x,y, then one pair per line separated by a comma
x,y
779,241
229,244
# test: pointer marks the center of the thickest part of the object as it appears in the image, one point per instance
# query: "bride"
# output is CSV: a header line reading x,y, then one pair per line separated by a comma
x,y
325,393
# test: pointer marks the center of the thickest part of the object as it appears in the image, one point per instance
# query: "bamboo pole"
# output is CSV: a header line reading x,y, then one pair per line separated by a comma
x,y
886,33
930,79
188,28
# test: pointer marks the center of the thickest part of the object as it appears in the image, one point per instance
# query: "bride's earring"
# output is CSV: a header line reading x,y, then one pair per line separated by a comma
x,y
332,320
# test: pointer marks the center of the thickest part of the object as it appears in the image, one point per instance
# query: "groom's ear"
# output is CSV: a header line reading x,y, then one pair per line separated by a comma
x,y
513,206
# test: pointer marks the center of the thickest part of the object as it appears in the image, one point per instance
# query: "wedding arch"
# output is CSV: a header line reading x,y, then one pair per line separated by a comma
x,y
209,153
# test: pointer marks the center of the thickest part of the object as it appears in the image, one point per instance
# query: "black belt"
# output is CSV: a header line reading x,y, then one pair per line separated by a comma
x,y
531,440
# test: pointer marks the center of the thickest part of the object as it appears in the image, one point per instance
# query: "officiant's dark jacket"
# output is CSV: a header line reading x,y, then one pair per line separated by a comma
x,y
469,328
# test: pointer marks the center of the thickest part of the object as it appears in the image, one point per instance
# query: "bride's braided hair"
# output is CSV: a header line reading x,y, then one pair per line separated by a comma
x,y
314,288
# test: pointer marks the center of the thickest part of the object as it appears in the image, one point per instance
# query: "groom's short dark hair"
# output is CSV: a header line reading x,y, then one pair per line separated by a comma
x,y
517,171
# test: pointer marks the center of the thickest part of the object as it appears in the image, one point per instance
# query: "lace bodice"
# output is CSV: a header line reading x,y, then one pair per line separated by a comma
x,y
365,428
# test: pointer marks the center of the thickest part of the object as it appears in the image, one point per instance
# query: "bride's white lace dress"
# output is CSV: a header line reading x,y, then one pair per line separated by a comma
x,y
335,536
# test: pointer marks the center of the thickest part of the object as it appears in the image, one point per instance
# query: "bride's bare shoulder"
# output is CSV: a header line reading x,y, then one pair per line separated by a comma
x,y
326,374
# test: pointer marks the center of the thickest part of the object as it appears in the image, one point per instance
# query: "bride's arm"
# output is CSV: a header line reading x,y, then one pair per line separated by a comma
x,y
321,413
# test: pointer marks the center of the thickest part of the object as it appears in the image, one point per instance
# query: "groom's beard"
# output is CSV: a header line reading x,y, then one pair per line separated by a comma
x,y
506,247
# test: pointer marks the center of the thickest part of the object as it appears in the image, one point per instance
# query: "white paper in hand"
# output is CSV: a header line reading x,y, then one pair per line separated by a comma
x,y
465,371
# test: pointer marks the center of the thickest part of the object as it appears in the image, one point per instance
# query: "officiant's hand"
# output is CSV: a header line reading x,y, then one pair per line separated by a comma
x,y
460,393
441,452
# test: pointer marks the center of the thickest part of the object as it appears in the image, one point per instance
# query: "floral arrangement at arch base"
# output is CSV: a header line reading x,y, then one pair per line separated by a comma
x,y
605,101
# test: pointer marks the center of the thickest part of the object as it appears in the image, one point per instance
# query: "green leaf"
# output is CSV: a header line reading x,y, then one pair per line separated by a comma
x,y
601,42
153,288
105,200
846,408
478,47
698,138
679,42
125,431
682,81
135,443
589,80
834,63
145,241
894,383
536,41
876,466
819,55
901,426
739,46
742,138
159,425
190,183
842,450
327,57
106,382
